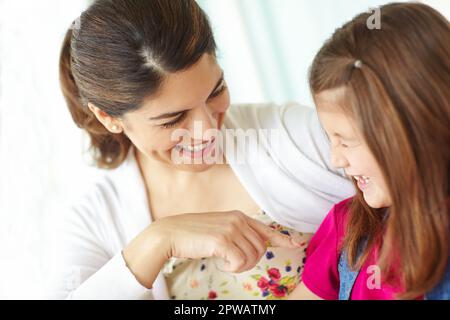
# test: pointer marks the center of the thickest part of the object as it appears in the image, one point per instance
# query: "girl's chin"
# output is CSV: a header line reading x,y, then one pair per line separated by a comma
x,y
376,201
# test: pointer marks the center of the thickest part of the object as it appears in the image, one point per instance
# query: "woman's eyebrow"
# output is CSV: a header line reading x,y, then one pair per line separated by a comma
x,y
174,114
168,115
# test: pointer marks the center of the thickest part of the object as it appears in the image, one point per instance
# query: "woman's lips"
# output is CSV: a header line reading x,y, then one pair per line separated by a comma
x,y
197,151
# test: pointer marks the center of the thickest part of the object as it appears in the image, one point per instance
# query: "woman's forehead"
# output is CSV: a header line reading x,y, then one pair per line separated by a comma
x,y
186,89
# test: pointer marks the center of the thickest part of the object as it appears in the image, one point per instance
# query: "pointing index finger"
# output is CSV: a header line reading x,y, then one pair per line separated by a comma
x,y
273,238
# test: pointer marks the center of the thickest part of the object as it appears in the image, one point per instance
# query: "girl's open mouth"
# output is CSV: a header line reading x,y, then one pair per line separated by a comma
x,y
362,181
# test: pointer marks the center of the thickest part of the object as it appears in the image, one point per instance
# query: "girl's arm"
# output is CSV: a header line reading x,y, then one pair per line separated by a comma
x,y
303,293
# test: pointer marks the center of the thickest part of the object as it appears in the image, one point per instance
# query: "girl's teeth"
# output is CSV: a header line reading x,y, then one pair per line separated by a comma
x,y
358,178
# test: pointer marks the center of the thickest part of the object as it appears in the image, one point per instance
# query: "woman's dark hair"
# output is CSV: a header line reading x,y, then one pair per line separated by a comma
x,y
398,94
117,54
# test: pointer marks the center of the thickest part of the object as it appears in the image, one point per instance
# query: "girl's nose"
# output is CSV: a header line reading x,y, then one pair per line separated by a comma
x,y
338,161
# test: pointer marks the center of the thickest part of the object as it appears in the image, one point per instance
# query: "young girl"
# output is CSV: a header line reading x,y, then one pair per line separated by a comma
x,y
383,98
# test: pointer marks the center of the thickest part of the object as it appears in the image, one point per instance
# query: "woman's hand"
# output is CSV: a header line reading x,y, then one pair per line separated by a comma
x,y
240,240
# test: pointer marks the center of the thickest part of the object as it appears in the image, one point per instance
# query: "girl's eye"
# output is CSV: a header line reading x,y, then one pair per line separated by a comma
x,y
173,123
219,91
350,145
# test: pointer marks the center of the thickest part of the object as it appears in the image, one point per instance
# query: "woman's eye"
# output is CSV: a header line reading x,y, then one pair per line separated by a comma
x,y
173,123
219,91
180,118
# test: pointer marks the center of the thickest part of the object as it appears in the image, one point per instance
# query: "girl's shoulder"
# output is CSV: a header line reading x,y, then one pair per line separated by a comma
x,y
341,211
333,225
342,208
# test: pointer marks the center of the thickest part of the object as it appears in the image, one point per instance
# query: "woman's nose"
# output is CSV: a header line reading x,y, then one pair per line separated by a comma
x,y
202,121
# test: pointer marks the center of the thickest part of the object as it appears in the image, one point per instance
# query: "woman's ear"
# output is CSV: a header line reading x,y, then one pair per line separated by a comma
x,y
111,124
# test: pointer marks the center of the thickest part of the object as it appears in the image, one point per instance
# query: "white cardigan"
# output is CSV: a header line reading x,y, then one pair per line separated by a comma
x,y
296,187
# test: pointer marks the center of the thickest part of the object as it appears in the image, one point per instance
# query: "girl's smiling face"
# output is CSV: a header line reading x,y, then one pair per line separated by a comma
x,y
350,151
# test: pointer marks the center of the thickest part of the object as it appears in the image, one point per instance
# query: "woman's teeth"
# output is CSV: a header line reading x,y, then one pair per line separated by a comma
x,y
193,149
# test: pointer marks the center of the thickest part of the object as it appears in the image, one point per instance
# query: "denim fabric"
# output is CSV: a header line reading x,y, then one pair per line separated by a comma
x,y
347,276
442,290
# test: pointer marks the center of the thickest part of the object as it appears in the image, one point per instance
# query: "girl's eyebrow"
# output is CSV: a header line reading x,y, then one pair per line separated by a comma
x,y
342,137
174,114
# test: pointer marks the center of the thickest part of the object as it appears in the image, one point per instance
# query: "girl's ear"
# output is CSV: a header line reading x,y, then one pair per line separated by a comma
x,y
111,124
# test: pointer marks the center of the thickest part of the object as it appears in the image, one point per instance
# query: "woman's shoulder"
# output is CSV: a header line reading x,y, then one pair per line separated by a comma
x,y
104,194
263,115
92,207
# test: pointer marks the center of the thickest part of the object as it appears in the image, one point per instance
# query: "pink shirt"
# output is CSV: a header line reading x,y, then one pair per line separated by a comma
x,y
321,274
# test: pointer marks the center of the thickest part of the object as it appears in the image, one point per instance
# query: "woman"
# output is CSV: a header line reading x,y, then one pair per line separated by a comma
x,y
135,74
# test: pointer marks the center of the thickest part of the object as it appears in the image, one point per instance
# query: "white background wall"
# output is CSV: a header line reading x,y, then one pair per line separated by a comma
x,y
266,47
270,44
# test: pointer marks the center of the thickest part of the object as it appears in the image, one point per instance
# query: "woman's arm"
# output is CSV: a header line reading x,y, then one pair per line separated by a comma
x,y
146,254
87,271
240,240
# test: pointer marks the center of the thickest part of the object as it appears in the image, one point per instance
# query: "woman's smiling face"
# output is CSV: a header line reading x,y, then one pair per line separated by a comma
x,y
192,102
350,151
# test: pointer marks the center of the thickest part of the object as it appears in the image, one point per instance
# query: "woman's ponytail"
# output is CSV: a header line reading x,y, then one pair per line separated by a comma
x,y
108,149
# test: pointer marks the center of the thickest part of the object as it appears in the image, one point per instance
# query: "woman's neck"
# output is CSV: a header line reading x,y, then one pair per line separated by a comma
x,y
172,191
169,172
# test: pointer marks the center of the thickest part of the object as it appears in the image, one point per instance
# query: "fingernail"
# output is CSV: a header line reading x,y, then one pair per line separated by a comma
x,y
295,239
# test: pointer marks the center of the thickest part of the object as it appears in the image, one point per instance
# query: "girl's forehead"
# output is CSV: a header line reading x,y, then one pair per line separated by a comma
x,y
332,100
335,115
337,124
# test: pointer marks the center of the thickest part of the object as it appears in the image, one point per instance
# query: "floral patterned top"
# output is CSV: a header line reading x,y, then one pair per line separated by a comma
x,y
274,277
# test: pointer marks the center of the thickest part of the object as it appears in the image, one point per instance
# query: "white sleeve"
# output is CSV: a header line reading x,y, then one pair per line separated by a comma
x,y
311,153
83,265
292,178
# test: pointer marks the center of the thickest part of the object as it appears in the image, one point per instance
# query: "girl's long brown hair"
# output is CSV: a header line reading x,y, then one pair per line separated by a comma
x,y
400,98
118,53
